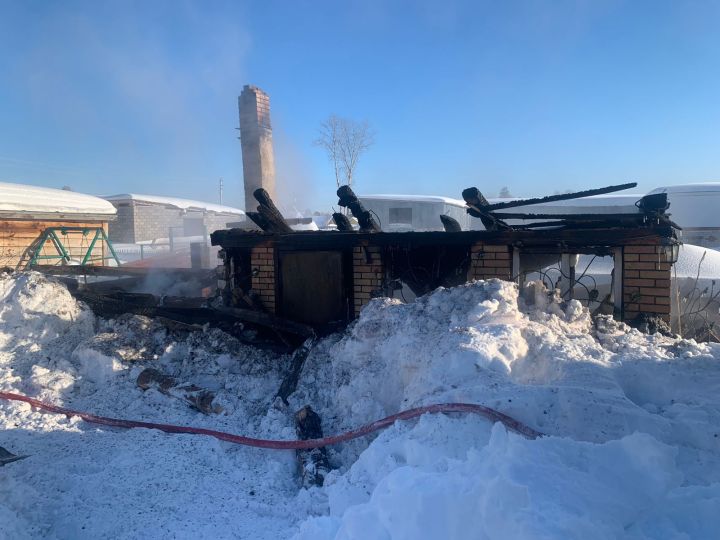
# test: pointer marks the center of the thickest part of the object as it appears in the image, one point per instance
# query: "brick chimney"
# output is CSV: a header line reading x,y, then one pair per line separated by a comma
x,y
256,143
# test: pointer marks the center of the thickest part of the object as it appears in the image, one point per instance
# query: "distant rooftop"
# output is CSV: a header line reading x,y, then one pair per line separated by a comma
x,y
33,202
174,202
415,198
689,188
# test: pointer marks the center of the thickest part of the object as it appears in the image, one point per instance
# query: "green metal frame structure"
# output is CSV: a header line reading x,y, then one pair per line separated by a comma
x,y
54,235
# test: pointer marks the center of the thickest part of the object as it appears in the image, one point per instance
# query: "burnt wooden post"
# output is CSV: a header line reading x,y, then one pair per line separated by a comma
x,y
348,199
297,362
314,464
8,457
342,222
268,217
450,224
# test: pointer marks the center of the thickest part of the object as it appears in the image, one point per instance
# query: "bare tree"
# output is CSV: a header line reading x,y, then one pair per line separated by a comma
x,y
344,140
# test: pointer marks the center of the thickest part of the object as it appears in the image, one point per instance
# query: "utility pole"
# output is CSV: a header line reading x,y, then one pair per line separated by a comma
x,y
221,190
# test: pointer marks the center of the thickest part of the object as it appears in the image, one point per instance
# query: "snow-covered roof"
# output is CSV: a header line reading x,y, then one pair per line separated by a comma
x,y
689,188
414,198
619,203
33,202
175,202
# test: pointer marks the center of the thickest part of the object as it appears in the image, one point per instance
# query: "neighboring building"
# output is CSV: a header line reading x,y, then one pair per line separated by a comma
x,y
142,218
28,213
397,213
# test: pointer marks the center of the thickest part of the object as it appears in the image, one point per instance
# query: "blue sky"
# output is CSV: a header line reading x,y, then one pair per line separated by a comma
x,y
125,96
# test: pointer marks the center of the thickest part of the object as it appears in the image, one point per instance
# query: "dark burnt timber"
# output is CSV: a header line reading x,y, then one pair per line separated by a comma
x,y
188,313
268,217
314,464
342,222
8,457
318,240
554,198
348,199
297,362
78,270
450,224
260,220
477,207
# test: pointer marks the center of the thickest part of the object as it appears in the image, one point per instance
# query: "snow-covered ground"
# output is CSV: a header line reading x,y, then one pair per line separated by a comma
x,y
633,423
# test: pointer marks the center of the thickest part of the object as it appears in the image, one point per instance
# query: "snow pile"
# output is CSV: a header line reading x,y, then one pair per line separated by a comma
x,y
598,477
632,423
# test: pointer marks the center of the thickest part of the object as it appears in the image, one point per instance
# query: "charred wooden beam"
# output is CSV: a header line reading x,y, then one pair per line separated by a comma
x,y
270,212
575,217
348,199
342,222
8,457
150,306
77,270
477,207
266,319
297,362
314,463
561,197
195,396
260,220
450,224
263,197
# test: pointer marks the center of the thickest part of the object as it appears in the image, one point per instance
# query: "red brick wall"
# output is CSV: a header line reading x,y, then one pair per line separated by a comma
x,y
646,281
263,275
488,261
368,272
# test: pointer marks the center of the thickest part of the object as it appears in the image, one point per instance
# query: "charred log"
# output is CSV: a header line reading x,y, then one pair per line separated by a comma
x,y
348,199
314,464
561,197
8,457
342,222
477,207
297,362
270,212
450,224
260,220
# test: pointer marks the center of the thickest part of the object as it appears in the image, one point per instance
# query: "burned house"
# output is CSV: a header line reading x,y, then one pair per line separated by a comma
x,y
324,278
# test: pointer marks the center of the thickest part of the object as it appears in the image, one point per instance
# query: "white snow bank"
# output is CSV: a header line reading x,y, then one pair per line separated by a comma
x,y
632,421
176,202
32,200
508,487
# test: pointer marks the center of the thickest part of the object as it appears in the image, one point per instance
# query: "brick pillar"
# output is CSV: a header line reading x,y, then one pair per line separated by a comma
x,y
490,261
646,281
262,264
368,272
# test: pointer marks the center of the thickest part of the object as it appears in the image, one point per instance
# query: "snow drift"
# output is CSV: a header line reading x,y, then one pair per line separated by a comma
x,y
631,421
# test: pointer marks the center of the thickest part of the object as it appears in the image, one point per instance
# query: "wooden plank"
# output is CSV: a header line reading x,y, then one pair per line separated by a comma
x,y
125,271
561,197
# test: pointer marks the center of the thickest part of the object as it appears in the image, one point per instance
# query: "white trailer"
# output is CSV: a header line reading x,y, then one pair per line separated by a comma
x,y
397,213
